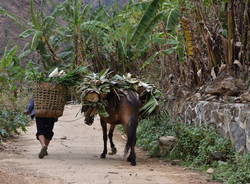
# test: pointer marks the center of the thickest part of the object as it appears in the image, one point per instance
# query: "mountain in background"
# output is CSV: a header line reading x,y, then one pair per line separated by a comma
x,y
9,31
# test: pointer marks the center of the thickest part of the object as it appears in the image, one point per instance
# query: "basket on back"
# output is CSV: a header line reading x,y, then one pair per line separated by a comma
x,y
50,99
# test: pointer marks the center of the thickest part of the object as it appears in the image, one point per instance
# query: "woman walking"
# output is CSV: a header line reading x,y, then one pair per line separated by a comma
x,y
44,129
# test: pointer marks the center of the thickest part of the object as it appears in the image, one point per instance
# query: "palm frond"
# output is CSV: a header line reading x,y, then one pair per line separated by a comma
x,y
141,42
146,20
172,18
149,107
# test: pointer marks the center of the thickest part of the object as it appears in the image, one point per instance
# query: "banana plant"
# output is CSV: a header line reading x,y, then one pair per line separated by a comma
x,y
148,20
166,35
82,28
41,30
130,35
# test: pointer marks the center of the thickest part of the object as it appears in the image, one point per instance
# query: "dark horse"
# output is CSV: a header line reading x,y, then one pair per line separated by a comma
x,y
122,109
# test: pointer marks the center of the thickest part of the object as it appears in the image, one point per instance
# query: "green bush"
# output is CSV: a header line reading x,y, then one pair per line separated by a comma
x,y
236,171
197,144
195,147
12,122
150,130
211,143
188,141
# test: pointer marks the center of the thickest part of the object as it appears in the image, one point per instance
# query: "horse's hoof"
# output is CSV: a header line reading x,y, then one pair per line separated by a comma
x,y
129,159
133,163
103,155
114,150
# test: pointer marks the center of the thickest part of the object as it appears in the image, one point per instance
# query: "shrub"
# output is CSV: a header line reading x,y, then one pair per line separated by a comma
x,y
236,171
11,122
150,130
194,144
197,144
188,142
195,147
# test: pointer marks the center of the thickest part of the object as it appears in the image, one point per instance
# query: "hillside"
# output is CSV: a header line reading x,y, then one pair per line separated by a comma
x,y
8,29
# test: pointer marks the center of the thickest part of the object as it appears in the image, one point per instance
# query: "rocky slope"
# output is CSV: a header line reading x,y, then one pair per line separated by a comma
x,y
8,29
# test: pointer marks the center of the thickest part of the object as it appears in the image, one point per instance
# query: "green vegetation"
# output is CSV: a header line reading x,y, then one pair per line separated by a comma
x,y
195,147
12,75
185,39
189,41
11,122
76,33
150,130
236,171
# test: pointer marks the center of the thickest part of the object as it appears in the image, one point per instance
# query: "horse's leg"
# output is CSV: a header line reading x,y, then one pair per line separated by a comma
x,y
113,148
132,126
132,156
104,131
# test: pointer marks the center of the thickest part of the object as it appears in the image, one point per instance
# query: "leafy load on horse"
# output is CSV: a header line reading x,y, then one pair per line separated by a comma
x,y
97,86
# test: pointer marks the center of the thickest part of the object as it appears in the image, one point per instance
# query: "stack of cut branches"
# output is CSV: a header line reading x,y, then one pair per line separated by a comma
x,y
96,86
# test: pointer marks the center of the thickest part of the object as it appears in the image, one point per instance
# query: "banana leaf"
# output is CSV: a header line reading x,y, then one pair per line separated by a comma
x,y
149,107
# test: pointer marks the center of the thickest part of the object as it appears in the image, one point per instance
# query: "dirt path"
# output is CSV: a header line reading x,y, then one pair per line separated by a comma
x,y
74,159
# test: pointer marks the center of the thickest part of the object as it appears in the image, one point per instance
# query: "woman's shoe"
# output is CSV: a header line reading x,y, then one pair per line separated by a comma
x,y
43,152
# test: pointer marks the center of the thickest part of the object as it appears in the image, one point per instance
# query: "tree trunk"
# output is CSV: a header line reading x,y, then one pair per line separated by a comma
x,y
231,33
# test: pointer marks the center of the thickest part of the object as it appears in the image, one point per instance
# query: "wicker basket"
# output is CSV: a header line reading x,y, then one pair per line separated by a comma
x,y
49,99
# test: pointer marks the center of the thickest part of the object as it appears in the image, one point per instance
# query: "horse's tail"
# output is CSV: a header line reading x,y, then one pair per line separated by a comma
x,y
131,139
133,99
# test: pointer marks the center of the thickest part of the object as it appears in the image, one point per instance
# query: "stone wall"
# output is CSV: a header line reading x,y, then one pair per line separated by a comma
x,y
231,119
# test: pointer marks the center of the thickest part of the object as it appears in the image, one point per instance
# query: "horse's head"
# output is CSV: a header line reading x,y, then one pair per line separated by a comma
x,y
89,120
89,114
